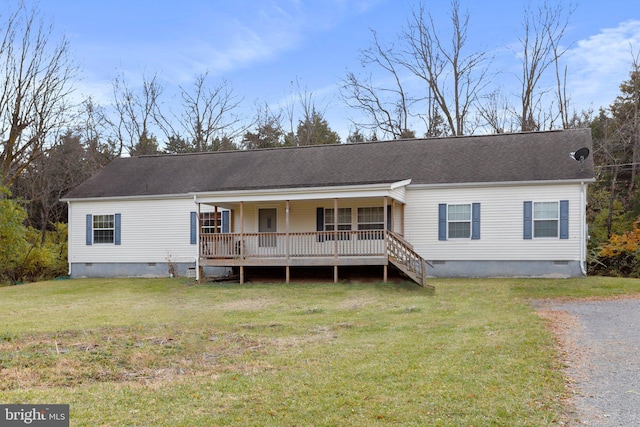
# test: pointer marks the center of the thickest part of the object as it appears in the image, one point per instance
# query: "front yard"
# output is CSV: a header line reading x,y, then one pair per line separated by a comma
x,y
173,353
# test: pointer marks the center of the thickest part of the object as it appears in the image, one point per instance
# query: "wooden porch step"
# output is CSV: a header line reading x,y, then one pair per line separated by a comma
x,y
421,281
401,254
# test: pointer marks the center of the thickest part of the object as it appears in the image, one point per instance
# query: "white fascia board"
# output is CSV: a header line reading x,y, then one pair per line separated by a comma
x,y
503,184
300,193
139,197
400,184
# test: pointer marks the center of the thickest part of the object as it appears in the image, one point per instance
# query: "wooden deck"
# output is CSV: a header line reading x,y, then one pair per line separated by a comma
x,y
321,248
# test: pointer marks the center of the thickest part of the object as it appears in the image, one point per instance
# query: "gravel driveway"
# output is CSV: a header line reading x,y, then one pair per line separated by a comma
x,y
600,344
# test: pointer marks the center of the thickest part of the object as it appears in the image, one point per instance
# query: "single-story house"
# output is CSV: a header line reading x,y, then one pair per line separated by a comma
x,y
505,205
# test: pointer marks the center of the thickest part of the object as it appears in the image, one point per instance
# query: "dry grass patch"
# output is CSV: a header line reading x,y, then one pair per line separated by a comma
x,y
120,355
248,304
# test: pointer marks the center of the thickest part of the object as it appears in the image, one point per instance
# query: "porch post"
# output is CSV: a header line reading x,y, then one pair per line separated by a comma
x,y
198,272
385,204
385,226
286,242
215,226
241,243
393,215
335,240
402,219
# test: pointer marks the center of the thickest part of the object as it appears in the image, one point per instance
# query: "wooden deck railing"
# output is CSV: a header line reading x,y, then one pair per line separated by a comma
x,y
318,244
307,244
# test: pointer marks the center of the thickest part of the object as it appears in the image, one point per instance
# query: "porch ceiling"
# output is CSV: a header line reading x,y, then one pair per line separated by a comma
x,y
394,190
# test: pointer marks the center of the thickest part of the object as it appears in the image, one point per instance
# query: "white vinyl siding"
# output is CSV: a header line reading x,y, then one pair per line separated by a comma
x,y
151,230
502,223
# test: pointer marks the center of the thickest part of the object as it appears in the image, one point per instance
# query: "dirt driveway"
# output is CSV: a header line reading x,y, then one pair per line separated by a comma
x,y
600,345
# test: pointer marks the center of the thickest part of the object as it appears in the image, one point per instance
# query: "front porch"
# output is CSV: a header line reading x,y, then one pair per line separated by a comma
x,y
354,226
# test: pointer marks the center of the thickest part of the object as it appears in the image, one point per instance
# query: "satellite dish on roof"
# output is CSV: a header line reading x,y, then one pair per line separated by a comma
x,y
580,156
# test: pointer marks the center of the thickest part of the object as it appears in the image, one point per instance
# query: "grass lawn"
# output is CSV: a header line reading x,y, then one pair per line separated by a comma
x,y
156,352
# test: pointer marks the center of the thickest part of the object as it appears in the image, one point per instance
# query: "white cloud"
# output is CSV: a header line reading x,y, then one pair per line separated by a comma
x,y
600,63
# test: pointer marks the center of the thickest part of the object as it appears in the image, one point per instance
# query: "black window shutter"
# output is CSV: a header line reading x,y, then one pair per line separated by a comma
x,y
193,225
442,221
89,230
320,222
225,221
117,238
475,221
528,221
564,219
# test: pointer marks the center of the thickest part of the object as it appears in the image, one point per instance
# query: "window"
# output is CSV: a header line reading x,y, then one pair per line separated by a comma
x,y
344,219
344,222
459,221
370,221
104,229
545,219
209,224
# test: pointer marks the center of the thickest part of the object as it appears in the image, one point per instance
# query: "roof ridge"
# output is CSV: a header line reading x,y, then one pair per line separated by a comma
x,y
385,141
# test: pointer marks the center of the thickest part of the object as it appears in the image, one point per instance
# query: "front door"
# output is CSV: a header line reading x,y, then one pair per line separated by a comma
x,y
268,223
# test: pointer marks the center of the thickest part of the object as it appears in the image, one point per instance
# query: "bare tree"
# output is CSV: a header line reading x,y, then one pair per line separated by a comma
x,y
208,120
454,80
626,111
269,132
35,84
632,89
543,30
384,108
305,130
307,123
136,113
494,112
92,125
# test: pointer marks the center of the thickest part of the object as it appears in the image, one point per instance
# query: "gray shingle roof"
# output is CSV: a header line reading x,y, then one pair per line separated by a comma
x,y
535,156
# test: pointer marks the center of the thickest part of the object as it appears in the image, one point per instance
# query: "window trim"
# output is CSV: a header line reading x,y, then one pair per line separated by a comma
x,y
469,221
342,226
91,229
210,216
562,220
474,221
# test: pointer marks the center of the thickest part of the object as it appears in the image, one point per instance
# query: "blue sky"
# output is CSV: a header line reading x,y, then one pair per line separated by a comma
x,y
261,46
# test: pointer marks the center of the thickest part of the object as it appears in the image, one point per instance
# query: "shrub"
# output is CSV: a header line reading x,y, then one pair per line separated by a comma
x,y
620,256
12,236
45,258
24,254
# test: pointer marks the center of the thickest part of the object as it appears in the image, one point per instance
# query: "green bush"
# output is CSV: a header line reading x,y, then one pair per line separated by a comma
x,y
24,254
44,259
12,236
